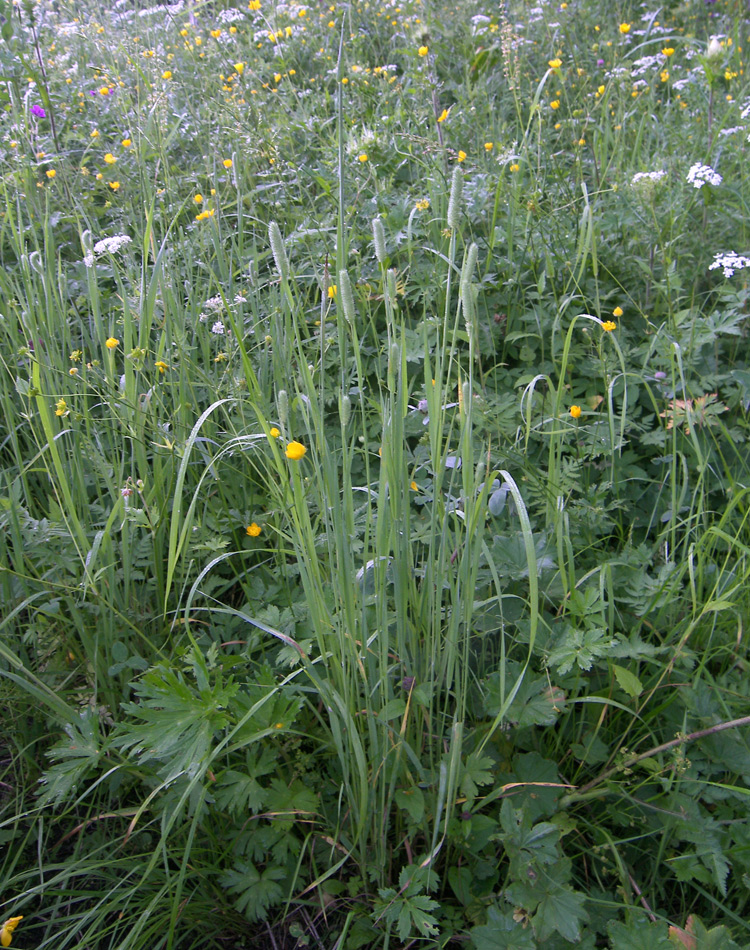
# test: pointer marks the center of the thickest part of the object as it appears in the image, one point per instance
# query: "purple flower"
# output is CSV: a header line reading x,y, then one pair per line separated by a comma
x,y
600,62
38,111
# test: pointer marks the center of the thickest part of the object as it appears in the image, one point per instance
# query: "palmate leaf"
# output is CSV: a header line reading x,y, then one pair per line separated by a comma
x,y
409,911
641,934
255,891
581,647
76,756
475,773
176,721
502,932
561,910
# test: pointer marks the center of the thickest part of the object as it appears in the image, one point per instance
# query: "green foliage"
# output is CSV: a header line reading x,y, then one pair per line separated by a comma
x,y
374,536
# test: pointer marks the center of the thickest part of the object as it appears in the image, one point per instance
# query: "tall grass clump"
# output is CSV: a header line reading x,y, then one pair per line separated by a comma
x,y
374,506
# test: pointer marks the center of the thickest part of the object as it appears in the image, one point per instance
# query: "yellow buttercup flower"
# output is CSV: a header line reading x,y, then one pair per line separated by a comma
x,y
554,63
167,74
227,163
423,50
575,411
555,104
363,157
6,931
461,155
252,530
332,291
668,51
112,343
274,432
488,146
61,409
50,173
239,68
161,366
608,326
126,143
443,115
295,451
617,312
109,158
624,28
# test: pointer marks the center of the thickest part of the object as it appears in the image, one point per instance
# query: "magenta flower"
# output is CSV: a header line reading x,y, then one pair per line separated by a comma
x,y
38,111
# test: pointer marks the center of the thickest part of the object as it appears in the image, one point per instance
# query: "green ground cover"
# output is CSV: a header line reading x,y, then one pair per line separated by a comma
x,y
375,485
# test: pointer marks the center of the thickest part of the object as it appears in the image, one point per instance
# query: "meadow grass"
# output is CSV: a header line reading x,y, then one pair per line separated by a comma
x,y
375,490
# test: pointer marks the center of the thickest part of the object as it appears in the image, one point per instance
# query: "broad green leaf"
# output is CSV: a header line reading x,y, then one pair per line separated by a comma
x,y
561,910
412,801
640,934
502,932
628,681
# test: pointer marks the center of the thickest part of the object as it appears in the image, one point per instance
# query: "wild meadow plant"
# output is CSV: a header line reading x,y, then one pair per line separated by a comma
x,y
374,505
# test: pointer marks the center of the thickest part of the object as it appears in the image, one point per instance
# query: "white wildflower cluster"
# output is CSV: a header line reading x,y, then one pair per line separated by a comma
x,y
729,262
211,307
111,245
648,177
733,131
645,63
700,175
745,114
231,15
218,328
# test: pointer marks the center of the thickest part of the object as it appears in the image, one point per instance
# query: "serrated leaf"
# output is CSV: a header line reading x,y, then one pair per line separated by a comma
x,y
502,932
581,647
475,772
76,756
640,934
561,910
237,793
255,891
697,937
627,681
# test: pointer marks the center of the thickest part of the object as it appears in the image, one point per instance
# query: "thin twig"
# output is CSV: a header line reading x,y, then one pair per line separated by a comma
x,y
680,740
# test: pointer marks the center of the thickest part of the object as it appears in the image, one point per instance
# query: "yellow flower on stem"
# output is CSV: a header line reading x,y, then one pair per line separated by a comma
x,y
575,411
461,156
109,158
6,931
112,343
423,50
274,432
295,451
227,163
161,366
50,173
332,292
617,312
363,157
252,530
624,28
61,409
443,115
608,326
555,63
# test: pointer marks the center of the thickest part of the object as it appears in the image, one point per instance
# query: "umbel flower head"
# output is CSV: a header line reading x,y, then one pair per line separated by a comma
x,y
6,931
